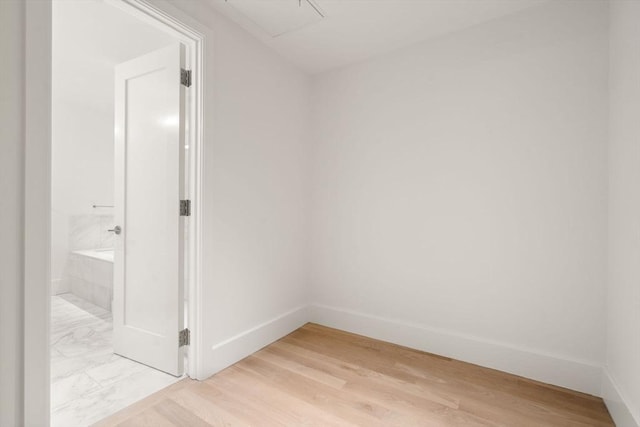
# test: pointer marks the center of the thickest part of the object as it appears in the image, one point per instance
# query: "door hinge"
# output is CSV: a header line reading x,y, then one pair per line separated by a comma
x,y
185,207
184,337
185,77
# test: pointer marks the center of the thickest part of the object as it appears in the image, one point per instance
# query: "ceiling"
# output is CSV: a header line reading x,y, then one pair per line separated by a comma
x,y
354,30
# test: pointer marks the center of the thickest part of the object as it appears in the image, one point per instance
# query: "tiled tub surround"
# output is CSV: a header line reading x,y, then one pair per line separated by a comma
x,y
88,381
90,276
90,231
85,232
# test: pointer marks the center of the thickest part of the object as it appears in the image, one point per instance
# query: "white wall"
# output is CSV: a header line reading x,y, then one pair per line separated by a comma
x,y
622,374
460,194
11,206
255,217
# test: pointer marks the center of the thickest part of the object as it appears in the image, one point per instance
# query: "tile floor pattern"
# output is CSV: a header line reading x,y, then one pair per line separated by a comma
x,y
88,381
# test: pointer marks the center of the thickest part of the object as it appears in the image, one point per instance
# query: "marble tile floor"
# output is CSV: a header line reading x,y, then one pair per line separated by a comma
x,y
88,381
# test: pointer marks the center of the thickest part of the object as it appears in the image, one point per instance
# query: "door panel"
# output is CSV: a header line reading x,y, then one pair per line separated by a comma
x,y
149,151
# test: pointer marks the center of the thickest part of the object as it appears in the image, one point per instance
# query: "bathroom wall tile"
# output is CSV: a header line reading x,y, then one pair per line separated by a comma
x,y
102,296
102,273
72,268
75,283
106,238
60,286
92,280
81,288
88,269
107,279
63,286
84,232
88,231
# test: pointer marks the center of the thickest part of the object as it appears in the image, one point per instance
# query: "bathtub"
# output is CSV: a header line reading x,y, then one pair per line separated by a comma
x,y
99,254
90,275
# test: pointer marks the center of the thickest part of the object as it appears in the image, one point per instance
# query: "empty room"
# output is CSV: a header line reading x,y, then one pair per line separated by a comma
x,y
320,213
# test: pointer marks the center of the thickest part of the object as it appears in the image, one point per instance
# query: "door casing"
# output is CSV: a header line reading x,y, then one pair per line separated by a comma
x,y
37,189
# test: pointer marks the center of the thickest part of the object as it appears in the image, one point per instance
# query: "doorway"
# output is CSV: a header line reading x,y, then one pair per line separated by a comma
x,y
121,260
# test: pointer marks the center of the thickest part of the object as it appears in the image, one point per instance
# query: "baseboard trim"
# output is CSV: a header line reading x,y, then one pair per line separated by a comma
x,y
236,348
551,369
573,374
616,404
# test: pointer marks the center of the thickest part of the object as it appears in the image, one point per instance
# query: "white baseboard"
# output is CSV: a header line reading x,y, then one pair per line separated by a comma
x,y
238,347
551,369
618,406
573,374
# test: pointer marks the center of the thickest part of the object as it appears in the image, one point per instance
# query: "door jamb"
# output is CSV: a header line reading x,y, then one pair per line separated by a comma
x,y
35,409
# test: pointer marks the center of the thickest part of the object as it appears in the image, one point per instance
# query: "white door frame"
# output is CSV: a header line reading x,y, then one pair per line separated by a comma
x,y
37,203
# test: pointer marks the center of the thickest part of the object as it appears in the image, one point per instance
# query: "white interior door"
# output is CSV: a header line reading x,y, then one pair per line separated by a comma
x,y
148,301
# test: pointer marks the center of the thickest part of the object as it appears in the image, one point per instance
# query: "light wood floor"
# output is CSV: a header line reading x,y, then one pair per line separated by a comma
x,y
318,376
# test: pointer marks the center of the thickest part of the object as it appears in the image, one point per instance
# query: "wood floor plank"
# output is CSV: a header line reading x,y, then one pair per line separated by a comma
x,y
143,405
292,364
147,418
381,356
287,405
179,416
212,414
318,376
240,406
404,396
354,373
348,407
506,403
